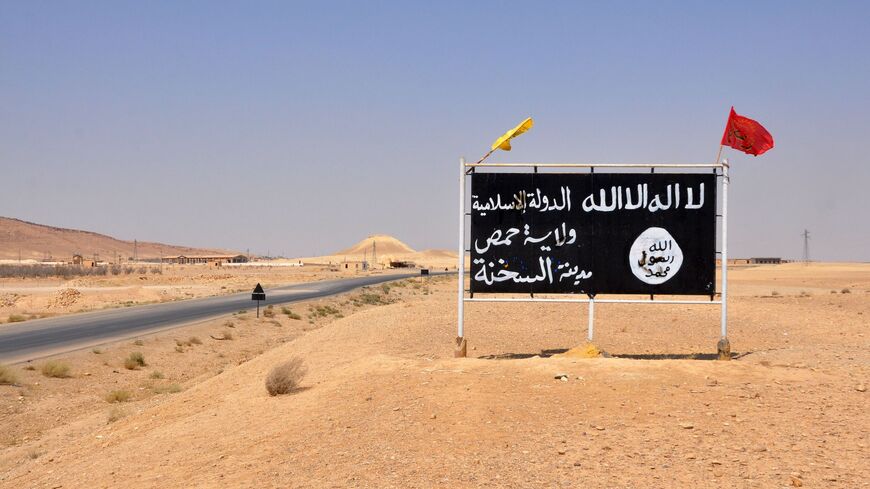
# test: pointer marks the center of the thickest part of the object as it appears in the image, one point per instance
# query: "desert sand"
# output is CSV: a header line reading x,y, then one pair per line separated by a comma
x,y
385,404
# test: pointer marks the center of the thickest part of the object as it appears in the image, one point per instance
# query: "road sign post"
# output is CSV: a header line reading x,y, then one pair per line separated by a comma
x,y
258,295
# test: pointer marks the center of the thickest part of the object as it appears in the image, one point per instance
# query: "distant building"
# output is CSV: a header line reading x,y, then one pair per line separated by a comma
x,y
353,266
766,261
212,259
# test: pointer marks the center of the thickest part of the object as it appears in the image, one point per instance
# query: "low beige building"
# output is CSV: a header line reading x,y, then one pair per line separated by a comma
x,y
213,259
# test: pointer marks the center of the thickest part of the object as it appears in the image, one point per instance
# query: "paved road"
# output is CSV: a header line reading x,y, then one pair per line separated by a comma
x,y
37,338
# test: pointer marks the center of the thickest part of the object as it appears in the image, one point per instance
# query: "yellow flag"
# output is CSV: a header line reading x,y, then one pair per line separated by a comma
x,y
504,142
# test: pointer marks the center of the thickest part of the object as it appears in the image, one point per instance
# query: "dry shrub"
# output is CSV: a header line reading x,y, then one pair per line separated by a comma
x,y
134,361
38,271
846,291
194,340
269,312
285,378
155,375
118,396
7,376
138,342
16,318
58,370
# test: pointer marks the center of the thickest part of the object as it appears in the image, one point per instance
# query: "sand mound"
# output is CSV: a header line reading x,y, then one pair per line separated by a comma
x,y
438,254
587,350
383,244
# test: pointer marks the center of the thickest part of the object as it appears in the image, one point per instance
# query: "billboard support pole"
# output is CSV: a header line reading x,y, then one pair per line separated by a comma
x,y
723,347
461,344
591,326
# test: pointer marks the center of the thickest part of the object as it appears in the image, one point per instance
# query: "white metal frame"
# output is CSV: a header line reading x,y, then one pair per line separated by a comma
x,y
462,299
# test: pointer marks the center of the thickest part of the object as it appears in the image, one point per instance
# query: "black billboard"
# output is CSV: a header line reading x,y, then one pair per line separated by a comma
x,y
591,233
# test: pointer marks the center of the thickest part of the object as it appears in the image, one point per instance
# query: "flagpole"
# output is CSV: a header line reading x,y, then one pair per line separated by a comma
x,y
723,347
719,154
485,156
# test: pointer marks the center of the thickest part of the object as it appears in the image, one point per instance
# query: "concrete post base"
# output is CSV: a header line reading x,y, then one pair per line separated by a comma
x,y
461,347
724,349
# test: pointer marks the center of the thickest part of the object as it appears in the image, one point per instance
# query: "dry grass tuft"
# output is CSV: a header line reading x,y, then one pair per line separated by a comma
x,y
118,396
134,361
227,335
155,375
115,414
138,342
7,376
58,370
285,378
194,340
846,291
167,389
290,314
16,318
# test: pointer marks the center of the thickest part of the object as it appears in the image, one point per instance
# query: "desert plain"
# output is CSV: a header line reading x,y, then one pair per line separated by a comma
x,y
384,402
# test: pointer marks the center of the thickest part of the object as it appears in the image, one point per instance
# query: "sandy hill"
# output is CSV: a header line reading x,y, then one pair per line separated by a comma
x,y
37,241
388,249
383,244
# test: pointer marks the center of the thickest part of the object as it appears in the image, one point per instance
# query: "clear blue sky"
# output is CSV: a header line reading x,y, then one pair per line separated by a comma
x,y
302,127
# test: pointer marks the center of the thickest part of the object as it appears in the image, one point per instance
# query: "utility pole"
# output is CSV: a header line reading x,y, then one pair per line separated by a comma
x,y
374,253
806,236
135,250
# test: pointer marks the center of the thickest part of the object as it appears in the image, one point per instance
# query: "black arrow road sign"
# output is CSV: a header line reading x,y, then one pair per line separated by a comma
x,y
258,295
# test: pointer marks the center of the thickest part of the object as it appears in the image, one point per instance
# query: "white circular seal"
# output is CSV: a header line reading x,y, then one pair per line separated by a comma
x,y
655,256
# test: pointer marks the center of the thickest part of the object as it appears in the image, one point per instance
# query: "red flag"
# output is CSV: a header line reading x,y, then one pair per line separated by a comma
x,y
746,135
